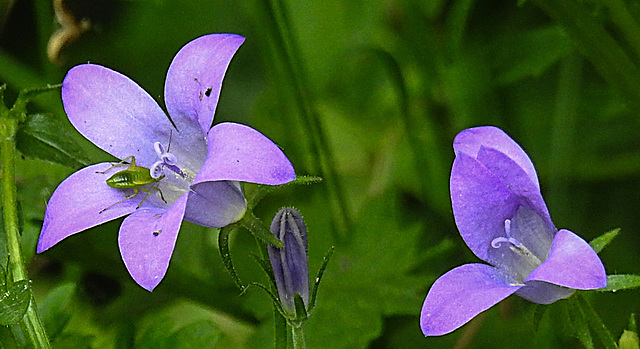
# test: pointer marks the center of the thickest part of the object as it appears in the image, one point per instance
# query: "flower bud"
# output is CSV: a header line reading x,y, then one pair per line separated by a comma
x,y
290,264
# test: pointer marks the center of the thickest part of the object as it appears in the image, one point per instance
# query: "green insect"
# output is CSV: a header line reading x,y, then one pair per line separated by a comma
x,y
134,177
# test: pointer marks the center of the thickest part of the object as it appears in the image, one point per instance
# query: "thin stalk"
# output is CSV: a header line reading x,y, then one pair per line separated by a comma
x,y
319,146
31,322
596,323
297,333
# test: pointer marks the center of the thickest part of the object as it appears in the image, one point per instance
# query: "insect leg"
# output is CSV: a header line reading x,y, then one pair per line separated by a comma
x,y
123,162
135,192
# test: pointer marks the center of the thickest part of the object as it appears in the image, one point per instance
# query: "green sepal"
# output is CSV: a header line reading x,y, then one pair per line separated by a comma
x,y
266,267
42,137
223,246
314,291
14,302
301,309
255,226
538,312
628,340
599,243
621,282
254,193
274,299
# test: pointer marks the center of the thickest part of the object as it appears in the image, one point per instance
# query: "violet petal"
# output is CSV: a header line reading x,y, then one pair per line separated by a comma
x,y
215,204
240,153
114,113
481,203
461,294
147,238
76,204
470,140
543,292
195,78
515,178
571,263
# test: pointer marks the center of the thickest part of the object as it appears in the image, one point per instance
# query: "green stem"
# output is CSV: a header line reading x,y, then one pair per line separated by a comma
x,y
280,328
16,267
319,146
297,334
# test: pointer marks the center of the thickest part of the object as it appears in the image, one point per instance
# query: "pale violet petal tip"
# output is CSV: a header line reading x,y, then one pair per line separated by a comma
x,y
147,239
461,294
470,141
194,79
240,153
79,203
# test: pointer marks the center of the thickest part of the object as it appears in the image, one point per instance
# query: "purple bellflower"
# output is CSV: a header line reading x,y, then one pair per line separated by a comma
x,y
196,168
290,264
503,219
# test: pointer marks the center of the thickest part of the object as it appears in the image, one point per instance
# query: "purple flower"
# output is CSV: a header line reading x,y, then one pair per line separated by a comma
x,y
197,167
290,264
503,219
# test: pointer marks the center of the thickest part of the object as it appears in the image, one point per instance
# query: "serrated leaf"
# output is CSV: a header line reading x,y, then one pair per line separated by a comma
x,y
200,334
43,137
621,282
599,243
14,302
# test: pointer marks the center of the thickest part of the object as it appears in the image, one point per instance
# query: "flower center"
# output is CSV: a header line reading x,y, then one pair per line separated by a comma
x,y
525,260
167,164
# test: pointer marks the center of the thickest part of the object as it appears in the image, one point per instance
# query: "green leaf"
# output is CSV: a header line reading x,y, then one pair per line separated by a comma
x,y
578,323
529,54
599,243
73,341
200,334
56,309
43,137
14,303
621,282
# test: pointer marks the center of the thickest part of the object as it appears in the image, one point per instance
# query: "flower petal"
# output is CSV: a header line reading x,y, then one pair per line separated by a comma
x,y
114,113
461,294
195,78
481,203
470,141
571,263
215,204
76,204
543,292
240,153
515,178
146,240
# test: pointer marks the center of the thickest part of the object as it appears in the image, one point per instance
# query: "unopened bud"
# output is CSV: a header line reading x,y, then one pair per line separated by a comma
x,y
290,264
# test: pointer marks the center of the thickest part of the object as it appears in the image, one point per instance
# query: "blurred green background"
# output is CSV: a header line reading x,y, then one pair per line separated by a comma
x,y
391,83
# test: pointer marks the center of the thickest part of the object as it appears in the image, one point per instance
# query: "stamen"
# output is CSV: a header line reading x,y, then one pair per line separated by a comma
x,y
497,242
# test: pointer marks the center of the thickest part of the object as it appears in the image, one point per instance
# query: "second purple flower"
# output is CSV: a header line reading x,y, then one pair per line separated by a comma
x,y
503,219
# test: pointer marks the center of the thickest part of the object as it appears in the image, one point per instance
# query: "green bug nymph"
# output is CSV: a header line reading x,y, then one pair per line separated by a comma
x,y
134,177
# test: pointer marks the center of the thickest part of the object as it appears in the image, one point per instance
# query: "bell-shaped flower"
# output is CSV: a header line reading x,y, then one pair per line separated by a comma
x,y
503,219
290,264
186,169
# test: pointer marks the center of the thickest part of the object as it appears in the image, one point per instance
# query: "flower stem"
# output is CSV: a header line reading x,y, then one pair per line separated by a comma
x,y
31,321
289,57
297,334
